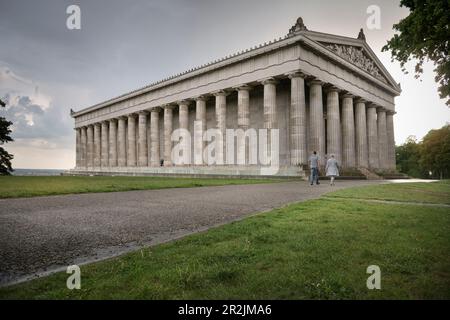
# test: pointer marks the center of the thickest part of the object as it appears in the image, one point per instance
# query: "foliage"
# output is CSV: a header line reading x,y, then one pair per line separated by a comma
x,y
5,157
408,157
429,158
435,152
423,35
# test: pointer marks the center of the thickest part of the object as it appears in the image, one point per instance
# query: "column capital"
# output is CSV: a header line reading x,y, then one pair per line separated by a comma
x,y
155,109
142,112
372,105
296,74
183,103
316,82
391,113
332,88
170,106
361,100
200,98
348,95
243,87
269,80
220,93
381,109
131,115
104,121
112,120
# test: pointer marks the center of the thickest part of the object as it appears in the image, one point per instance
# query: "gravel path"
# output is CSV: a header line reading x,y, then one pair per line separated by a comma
x,y
46,234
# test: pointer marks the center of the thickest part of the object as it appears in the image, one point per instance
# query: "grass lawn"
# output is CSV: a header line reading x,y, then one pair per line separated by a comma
x,y
19,186
409,192
318,249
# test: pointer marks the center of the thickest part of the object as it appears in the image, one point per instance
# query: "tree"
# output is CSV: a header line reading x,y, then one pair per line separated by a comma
x,y
408,158
425,34
431,155
5,157
435,152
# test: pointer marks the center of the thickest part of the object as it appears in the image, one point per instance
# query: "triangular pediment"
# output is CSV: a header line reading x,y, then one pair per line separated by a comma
x,y
355,51
358,57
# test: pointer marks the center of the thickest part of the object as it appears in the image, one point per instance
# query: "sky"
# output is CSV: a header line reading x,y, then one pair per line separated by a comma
x,y
46,69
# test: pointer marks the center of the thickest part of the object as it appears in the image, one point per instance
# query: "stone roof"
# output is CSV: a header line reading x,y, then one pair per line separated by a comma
x,y
298,28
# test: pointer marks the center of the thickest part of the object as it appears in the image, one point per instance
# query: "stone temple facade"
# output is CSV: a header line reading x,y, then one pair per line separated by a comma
x,y
322,92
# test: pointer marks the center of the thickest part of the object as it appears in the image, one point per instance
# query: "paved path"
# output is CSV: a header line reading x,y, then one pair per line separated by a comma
x,y
46,234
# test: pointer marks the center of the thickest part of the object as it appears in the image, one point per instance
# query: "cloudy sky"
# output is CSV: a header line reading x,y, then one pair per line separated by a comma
x,y
46,69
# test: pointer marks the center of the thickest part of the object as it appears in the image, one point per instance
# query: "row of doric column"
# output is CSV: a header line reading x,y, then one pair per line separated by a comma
x,y
358,133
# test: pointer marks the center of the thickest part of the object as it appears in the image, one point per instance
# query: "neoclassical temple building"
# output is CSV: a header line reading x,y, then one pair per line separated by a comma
x,y
323,92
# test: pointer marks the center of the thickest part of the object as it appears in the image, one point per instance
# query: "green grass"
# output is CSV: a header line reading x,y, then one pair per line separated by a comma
x,y
409,192
318,249
19,186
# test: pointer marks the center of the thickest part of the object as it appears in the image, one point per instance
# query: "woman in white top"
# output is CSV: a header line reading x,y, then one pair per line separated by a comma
x,y
332,169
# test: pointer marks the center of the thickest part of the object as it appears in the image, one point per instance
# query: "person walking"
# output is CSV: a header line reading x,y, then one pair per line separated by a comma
x,y
332,169
314,166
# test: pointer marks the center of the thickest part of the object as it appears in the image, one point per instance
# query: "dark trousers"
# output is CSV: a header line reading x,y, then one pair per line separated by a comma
x,y
314,176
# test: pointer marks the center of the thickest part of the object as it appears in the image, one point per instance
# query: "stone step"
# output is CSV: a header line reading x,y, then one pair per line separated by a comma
x,y
370,175
196,171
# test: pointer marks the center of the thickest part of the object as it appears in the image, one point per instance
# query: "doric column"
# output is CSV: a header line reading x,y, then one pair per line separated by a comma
x,y
142,139
362,151
297,121
270,111
199,129
243,107
105,144
183,116
78,147
372,136
83,147
131,154
382,138
121,142
113,142
168,127
348,132
154,137
243,121
90,146
333,124
390,139
270,103
97,145
221,122
317,126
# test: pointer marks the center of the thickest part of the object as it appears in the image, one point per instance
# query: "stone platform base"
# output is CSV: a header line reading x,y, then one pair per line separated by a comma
x,y
194,171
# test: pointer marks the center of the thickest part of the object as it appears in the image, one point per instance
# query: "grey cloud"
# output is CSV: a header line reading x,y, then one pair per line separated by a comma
x,y
32,121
